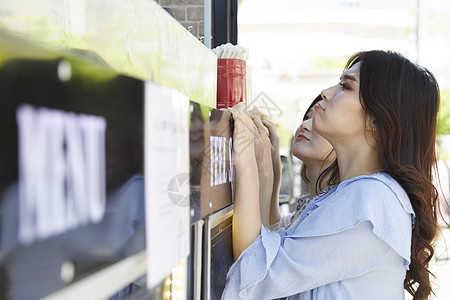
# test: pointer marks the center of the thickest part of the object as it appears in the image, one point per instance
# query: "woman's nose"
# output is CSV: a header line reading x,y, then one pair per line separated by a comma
x,y
306,125
327,94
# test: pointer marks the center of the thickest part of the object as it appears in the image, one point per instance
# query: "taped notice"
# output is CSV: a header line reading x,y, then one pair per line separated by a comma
x,y
166,180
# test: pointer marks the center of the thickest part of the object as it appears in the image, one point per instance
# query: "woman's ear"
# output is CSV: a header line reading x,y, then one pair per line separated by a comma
x,y
371,124
371,128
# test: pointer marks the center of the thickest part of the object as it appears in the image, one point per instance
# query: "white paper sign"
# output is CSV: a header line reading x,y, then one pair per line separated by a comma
x,y
166,163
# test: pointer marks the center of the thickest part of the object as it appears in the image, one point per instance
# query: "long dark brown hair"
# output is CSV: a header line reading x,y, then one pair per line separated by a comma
x,y
403,99
330,174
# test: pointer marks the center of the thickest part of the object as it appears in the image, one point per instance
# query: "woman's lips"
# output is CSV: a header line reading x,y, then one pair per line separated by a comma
x,y
318,107
301,137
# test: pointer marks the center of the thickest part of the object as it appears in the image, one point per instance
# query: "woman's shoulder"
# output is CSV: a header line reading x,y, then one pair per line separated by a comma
x,y
376,189
378,181
376,198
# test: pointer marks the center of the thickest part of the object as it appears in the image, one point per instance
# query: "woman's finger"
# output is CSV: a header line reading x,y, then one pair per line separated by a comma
x,y
260,126
252,114
269,125
273,134
255,112
240,106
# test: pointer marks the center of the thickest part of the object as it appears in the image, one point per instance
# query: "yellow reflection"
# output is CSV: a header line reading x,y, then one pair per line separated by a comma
x,y
175,284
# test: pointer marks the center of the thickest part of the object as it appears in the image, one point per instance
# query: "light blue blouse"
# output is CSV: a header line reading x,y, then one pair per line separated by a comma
x,y
351,243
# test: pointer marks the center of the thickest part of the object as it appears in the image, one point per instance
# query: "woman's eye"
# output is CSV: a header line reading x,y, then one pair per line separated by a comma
x,y
309,115
344,85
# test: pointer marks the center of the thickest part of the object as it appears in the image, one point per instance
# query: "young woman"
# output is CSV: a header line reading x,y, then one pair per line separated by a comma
x,y
317,155
370,236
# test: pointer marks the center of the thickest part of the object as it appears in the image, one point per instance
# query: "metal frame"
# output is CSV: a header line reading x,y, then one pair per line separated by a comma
x,y
207,15
224,22
212,221
197,259
105,282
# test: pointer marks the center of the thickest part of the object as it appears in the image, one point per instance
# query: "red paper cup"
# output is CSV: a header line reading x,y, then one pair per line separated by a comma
x,y
231,85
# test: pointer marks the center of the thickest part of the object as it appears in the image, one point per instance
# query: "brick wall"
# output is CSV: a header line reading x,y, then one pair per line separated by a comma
x,y
188,13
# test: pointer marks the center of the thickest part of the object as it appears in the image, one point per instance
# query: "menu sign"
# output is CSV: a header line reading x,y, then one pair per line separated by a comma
x,y
211,167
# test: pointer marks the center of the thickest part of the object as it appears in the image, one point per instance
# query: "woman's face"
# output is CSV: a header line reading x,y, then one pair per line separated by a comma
x,y
309,146
339,116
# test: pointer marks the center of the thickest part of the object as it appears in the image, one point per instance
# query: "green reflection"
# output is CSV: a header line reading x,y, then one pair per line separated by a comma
x,y
135,38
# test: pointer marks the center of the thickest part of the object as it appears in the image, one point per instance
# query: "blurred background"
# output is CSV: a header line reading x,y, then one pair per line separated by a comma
x,y
297,48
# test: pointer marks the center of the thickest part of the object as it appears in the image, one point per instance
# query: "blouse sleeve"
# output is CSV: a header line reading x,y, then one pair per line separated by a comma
x,y
343,235
276,265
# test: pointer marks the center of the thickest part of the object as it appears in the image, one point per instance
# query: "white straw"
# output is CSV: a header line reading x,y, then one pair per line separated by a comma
x,y
230,51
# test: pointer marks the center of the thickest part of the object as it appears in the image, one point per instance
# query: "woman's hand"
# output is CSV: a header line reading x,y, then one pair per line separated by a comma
x,y
273,203
272,133
247,215
263,147
244,136
274,215
265,170
274,138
